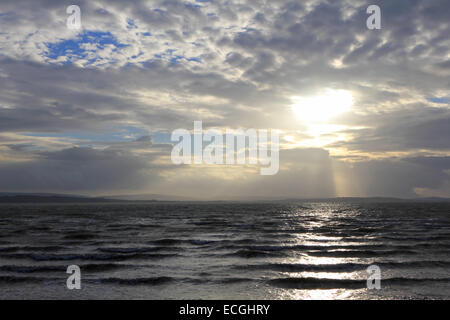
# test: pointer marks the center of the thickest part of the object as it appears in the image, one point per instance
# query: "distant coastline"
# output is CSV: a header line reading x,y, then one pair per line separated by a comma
x,y
10,197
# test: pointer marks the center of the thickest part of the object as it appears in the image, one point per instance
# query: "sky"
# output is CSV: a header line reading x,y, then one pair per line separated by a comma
x,y
91,111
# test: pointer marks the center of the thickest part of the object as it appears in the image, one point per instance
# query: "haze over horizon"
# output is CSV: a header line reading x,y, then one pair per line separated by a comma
x,y
360,112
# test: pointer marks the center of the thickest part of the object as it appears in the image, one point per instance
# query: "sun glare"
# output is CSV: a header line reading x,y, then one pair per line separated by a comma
x,y
320,109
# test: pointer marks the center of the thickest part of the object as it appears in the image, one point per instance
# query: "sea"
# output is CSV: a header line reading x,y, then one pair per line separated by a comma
x,y
289,250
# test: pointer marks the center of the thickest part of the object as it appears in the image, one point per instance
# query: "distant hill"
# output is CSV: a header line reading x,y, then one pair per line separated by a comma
x,y
12,197
8,197
149,197
371,200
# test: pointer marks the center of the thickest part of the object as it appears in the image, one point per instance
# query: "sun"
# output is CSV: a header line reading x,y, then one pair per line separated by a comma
x,y
321,109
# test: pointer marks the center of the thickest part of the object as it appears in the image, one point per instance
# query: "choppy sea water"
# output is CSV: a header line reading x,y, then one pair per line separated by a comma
x,y
225,250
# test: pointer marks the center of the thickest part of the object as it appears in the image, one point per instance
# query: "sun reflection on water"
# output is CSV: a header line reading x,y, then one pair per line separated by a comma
x,y
319,225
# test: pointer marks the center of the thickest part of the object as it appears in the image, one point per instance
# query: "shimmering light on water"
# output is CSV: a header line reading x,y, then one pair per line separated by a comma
x,y
225,250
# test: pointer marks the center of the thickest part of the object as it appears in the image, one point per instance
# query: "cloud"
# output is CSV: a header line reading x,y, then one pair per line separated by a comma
x,y
75,169
395,177
147,68
418,130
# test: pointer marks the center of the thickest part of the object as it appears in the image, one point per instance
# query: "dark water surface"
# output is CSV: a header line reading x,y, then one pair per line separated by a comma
x,y
225,250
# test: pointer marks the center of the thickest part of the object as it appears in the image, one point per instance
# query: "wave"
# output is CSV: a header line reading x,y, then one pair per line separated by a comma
x,y
246,253
234,280
360,253
201,242
67,257
180,241
316,283
32,248
261,251
135,249
32,269
118,281
86,267
335,247
341,267
80,236
416,238
135,281
166,241
167,280
284,283
24,279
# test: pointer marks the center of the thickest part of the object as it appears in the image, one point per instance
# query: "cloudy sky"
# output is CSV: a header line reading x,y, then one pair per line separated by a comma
x,y
90,111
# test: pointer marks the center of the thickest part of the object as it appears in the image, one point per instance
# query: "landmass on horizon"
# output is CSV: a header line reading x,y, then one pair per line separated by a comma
x,y
11,197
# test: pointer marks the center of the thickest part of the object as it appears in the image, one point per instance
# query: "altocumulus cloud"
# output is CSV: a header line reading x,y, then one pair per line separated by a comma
x,y
76,106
